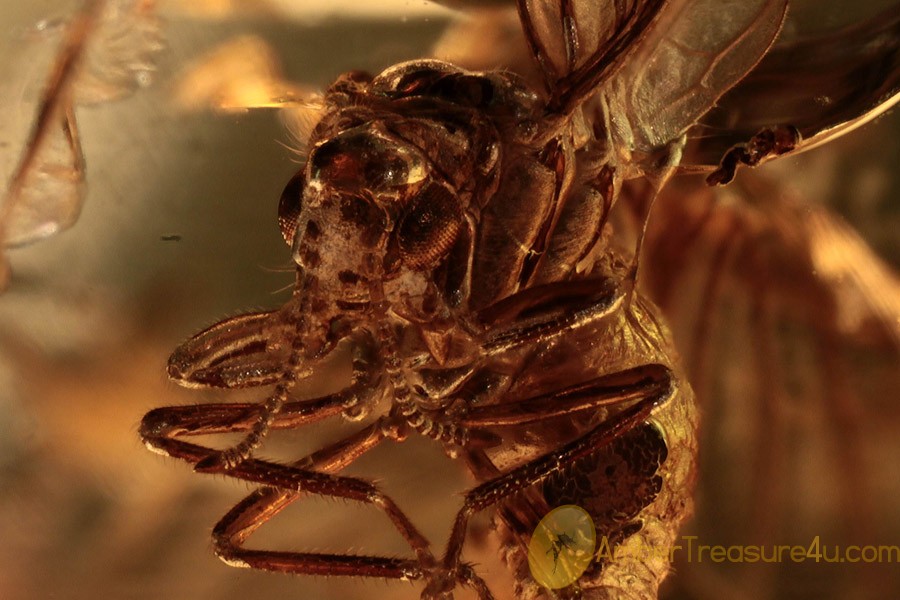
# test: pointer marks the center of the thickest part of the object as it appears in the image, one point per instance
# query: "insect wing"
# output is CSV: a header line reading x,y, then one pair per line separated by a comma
x,y
51,192
696,52
579,44
106,52
120,57
824,86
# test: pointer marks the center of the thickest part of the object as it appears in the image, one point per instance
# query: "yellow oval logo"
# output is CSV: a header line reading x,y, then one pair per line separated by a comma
x,y
562,547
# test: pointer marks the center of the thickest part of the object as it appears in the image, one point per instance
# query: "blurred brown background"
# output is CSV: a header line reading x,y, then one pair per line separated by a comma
x,y
91,316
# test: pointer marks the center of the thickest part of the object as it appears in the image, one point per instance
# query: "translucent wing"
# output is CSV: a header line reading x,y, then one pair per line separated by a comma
x,y
663,64
45,191
577,45
823,85
51,191
105,53
698,50
120,57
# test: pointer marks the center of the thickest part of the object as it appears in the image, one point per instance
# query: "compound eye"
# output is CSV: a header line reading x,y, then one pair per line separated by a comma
x,y
289,207
429,227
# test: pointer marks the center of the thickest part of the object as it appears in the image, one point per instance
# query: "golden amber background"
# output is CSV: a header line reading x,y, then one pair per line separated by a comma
x,y
91,315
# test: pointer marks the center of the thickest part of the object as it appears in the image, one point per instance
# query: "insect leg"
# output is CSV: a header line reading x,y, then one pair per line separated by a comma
x,y
651,387
247,516
239,352
770,142
285,484
288,481
160,427
590,304
232,531
615,389
257,349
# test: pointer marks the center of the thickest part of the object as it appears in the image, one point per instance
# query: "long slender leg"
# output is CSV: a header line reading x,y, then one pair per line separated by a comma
x,y
608,390
241,521
247,516
161,426
266,417
297,365
594,301
309,342
239,352
287,482
294,479
524,476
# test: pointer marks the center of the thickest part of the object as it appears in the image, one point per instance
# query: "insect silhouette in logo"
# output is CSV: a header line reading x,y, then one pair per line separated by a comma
x,y
454,230
560,543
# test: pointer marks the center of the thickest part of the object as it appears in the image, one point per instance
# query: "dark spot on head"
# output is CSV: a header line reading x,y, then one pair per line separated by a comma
x,y
309,258
312,231
353,306
348,277
367,217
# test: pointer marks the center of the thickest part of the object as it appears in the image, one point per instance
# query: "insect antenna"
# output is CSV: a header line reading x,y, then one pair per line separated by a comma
x,y
298,323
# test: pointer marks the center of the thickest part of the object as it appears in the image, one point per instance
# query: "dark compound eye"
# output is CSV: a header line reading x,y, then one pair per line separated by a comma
x,y
431,224
289,207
